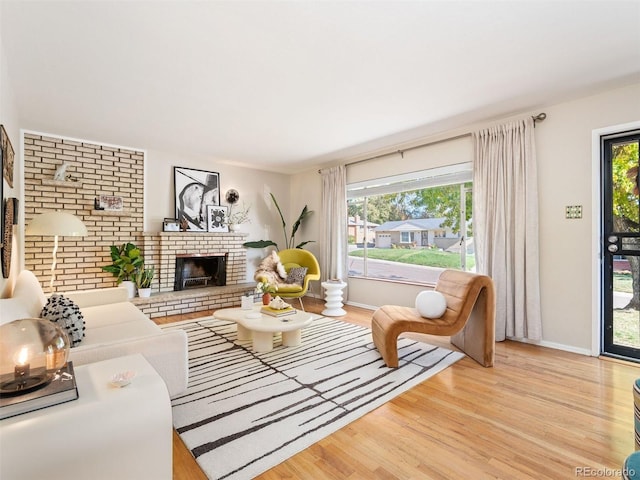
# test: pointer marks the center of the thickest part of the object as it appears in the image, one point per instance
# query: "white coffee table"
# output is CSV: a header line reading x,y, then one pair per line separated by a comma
x,y
261,329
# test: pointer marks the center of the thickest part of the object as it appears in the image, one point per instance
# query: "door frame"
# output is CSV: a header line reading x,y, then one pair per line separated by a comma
x,y
596,226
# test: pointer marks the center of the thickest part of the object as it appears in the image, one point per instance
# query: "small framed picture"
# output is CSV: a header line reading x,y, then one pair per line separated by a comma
x,y
217,218
112,203
170,225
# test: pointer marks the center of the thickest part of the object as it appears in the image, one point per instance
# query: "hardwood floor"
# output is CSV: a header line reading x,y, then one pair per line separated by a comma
x,y
538,414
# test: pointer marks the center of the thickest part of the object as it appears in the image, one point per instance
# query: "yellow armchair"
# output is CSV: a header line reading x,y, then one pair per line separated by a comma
x,y
296,257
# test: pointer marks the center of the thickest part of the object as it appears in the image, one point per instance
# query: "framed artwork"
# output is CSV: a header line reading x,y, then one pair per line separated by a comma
x,y
7,156
170,225
111,202
194,191
7,236
217,218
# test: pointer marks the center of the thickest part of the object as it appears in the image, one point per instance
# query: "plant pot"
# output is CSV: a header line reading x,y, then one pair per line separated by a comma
x,y
266,298
234,227
144,292
130,286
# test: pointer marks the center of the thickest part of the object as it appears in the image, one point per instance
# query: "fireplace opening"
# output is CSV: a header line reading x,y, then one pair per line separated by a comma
x,y
199,271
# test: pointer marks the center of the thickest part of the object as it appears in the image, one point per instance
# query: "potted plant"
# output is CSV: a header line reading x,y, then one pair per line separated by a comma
x,y
238,217
289,240
144,276
126,261
266,289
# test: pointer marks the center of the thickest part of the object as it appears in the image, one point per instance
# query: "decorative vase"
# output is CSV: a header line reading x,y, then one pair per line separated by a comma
x,y
144,292
234,227
130,286
266,298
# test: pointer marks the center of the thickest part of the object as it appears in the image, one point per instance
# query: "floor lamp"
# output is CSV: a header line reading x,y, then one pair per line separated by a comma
x,y
57,224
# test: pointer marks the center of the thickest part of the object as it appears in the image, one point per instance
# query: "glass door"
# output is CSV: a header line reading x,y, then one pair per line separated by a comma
x,y
621,246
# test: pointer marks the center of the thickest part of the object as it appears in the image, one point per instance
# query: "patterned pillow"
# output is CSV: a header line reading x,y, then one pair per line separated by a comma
x,y
66,314
296,275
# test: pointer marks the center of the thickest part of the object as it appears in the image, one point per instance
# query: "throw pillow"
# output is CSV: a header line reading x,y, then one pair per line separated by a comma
x,y
66,314
431,304
296,275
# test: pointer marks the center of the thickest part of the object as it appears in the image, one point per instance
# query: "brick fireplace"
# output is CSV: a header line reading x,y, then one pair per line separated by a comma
x,y
162,249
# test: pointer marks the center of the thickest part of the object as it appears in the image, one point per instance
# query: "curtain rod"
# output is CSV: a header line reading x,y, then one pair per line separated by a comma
x,y
536,118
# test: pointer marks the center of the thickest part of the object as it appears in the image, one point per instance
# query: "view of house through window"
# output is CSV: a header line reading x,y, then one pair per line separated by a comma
x,y
410,227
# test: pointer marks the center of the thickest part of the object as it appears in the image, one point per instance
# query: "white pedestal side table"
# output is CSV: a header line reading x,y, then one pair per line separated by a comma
x,y
108,432
333,301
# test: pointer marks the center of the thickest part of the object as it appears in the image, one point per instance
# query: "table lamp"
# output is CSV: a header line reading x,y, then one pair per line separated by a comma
x,y
57,224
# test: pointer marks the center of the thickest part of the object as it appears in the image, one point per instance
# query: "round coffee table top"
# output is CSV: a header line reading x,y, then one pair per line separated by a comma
x,y
264,323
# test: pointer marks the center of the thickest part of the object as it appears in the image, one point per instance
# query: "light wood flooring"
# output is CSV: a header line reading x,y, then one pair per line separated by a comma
x,y
538,414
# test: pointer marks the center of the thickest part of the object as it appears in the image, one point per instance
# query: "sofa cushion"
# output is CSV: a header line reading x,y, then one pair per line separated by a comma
x,y
67,315
26,301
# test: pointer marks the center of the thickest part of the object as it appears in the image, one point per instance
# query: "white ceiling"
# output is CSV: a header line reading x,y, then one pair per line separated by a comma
x,y
288,84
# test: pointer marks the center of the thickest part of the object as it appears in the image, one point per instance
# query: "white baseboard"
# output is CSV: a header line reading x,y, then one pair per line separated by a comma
x,y
554,345
361,305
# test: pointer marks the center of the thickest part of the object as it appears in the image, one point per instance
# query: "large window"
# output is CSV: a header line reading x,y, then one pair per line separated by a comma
x,y
409,227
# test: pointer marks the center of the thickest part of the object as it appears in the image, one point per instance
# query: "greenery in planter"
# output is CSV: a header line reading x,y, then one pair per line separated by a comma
x,y
289,240
126,261
144,276
266,287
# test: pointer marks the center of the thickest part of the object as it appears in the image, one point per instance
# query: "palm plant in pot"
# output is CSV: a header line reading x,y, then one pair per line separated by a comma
x,y
144,276
126,260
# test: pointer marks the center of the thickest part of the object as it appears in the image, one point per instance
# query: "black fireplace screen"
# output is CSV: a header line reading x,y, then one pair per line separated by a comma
x,y
200,271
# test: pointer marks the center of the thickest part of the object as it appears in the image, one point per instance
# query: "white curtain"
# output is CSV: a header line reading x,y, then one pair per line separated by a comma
x,y
333,262
505,211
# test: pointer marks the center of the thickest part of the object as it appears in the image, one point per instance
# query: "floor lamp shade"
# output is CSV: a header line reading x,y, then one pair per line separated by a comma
x,y
56,224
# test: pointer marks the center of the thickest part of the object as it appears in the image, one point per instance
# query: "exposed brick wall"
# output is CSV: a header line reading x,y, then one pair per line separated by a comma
x,y
100,170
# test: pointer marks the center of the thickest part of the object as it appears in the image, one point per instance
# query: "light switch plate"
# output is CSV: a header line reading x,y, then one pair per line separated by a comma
x,y
573,211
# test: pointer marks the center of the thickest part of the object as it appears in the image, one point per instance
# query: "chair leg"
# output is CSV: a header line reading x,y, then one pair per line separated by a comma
x,y
301,305
385,342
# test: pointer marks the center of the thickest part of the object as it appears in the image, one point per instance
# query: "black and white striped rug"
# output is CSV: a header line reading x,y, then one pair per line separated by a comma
x,y
245,412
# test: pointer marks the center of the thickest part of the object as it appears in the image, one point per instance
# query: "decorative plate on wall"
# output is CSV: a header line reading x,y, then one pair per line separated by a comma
x,y
7,236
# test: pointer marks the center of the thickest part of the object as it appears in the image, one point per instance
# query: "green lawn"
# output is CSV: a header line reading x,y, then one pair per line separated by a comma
x,y
626,330
416,256
622,282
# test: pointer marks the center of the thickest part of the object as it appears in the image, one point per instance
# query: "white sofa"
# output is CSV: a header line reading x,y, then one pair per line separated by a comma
x,y
114,328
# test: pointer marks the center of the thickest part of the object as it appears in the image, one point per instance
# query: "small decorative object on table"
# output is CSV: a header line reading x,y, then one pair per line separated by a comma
x,y
122,379
266,289
34,372
246,302
278,308
61,388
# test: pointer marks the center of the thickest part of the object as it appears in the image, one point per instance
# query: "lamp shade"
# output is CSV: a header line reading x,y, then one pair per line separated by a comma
x,y
56,223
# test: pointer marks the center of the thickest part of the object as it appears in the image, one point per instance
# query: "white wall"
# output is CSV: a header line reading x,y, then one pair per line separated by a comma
x,y
254,187
563,143
9,118
565,173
